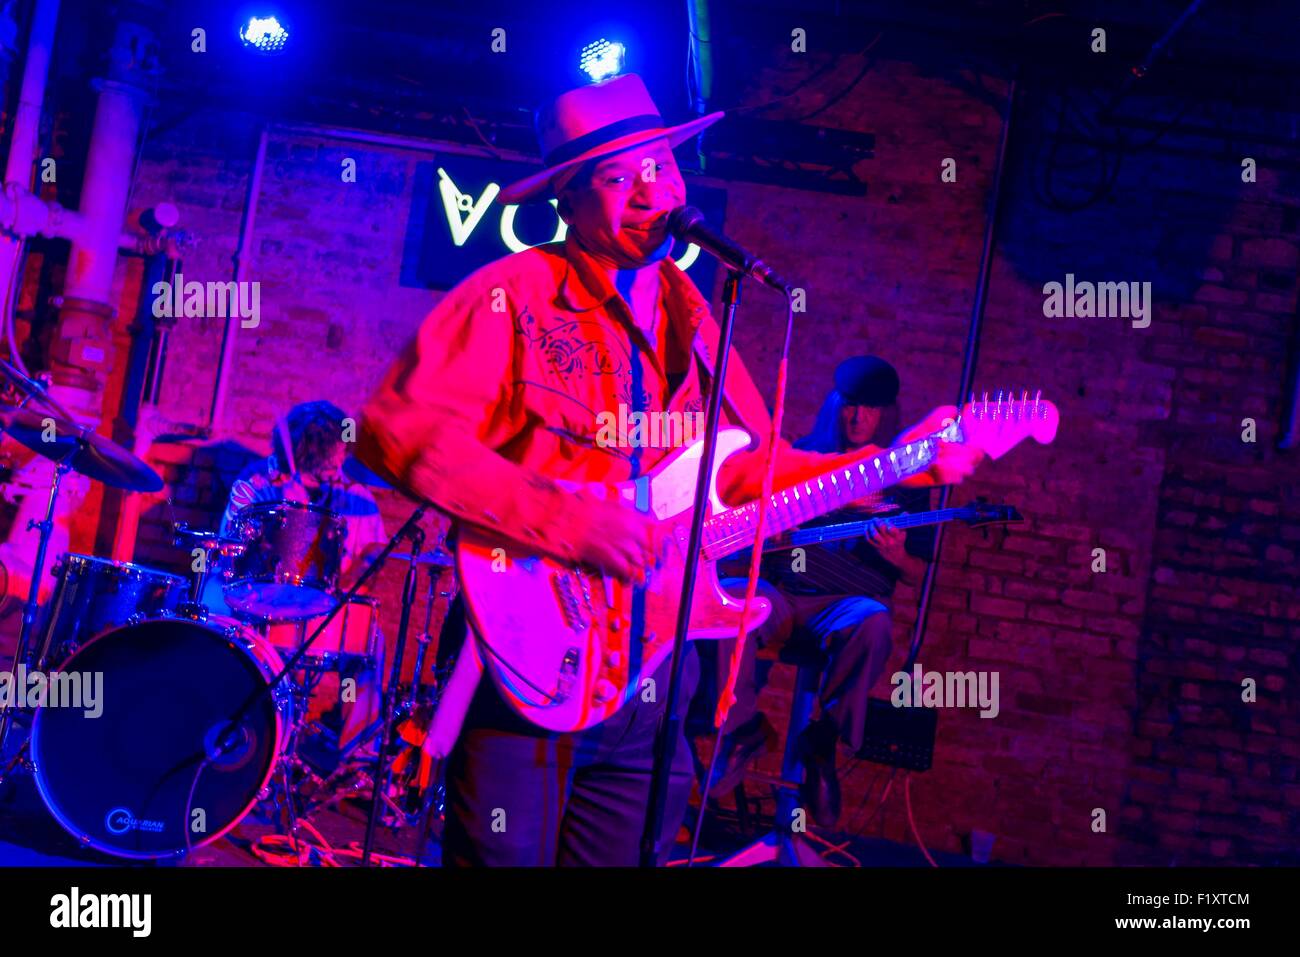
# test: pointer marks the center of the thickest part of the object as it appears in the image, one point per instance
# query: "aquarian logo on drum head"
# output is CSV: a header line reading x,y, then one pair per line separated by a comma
x,y
120,820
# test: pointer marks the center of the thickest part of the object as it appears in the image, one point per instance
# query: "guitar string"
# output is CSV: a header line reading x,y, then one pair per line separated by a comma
x,y
746,535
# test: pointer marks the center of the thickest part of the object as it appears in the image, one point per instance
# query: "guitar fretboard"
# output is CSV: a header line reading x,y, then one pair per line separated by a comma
x,y
831,533
833,489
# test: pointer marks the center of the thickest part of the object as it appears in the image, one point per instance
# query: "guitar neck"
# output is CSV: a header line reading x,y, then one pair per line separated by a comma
x,y
835,488
845,530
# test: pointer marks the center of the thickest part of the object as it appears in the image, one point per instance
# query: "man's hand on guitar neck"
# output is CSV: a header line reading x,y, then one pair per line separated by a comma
x,y
953,461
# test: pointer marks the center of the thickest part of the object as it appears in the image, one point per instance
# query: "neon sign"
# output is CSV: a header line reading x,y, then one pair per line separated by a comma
x,y
464,213
456,225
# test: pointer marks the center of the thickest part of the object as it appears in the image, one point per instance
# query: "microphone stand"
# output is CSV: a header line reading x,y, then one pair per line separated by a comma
x,y
670,723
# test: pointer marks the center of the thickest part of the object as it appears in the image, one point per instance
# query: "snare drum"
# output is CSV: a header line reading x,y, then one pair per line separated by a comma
x,y
96,594
132,779
290,566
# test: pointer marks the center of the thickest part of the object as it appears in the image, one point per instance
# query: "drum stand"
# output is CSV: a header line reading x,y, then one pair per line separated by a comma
x,y
228,737
22,653
389,706
333,786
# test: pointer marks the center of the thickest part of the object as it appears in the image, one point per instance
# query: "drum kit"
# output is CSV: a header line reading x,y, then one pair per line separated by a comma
x,y
205,716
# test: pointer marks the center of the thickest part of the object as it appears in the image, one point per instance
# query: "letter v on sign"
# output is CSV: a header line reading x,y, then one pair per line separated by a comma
x,y
455,203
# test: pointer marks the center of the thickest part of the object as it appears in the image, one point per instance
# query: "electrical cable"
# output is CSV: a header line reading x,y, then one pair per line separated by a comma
x,y
911,820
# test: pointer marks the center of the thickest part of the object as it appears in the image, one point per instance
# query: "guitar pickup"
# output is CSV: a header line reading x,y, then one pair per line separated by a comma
x,y
574,603
568,674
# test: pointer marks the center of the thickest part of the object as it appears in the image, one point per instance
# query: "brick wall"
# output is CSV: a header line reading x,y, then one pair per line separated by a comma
x,y
1119,691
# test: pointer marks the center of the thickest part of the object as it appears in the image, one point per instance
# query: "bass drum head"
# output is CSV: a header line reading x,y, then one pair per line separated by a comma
x,y
121,781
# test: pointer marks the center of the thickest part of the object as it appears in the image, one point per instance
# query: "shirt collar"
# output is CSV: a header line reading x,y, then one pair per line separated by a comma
x,y
586,286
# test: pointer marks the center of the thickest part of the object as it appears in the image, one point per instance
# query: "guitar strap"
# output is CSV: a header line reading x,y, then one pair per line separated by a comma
x,y
705,347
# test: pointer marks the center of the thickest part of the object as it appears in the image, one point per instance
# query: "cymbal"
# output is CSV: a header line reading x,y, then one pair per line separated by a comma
x,y
81,449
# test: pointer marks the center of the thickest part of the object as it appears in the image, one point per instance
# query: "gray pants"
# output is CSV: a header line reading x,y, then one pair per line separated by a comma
x,y
518,796
853,630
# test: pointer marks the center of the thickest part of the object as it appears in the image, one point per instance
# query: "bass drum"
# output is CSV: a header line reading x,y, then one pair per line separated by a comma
x,y
130,773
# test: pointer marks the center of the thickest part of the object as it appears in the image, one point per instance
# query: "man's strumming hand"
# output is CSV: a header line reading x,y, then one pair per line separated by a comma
x,y
612,537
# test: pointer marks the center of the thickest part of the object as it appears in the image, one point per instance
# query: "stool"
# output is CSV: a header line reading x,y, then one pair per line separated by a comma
x,y
784,845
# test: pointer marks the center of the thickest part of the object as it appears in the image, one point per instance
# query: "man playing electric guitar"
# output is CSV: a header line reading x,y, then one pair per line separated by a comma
x,y
835,595
494,407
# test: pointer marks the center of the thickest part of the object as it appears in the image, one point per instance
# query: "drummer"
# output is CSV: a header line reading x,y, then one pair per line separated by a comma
x,y
306,466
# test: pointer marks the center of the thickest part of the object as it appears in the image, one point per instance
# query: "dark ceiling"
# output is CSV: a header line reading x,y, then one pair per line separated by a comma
x,y
425,68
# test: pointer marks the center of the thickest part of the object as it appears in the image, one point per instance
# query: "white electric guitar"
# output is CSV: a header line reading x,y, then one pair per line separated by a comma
x,y
567,647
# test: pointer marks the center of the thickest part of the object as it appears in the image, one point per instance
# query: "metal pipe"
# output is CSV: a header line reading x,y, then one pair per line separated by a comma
x,y
971,356
22,152
701,47
31,97
397,140
105,188
243,252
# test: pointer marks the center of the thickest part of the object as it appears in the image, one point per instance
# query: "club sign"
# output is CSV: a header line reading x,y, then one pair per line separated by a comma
x,y
457,225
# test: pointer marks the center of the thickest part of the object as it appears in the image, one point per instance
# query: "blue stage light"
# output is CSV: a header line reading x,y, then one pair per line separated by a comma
x,y
602,59
264,34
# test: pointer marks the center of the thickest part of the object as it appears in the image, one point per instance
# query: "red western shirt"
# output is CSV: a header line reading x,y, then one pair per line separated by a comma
x,y
503,388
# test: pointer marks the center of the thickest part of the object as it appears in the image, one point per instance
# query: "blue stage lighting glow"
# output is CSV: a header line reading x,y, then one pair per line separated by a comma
x,y
264,34
602,59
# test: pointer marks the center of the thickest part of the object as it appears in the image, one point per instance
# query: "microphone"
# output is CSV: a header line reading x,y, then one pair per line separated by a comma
x,y
687,224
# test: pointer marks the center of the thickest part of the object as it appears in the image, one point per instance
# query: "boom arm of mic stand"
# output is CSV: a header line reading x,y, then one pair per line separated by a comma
x,y
666,736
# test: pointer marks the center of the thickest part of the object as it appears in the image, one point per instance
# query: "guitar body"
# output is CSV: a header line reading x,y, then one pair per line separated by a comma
x,y
566,647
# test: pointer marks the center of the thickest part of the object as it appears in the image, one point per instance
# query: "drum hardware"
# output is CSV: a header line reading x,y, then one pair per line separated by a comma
x,y
22,653
215,547
387,737
437,557
72,448
414,784
229,739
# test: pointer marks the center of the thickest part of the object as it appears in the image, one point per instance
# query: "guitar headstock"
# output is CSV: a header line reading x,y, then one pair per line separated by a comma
x,y
998,423
983,513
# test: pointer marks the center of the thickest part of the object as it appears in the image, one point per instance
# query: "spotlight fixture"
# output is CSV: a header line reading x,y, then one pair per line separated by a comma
x,y
602,59
264,34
